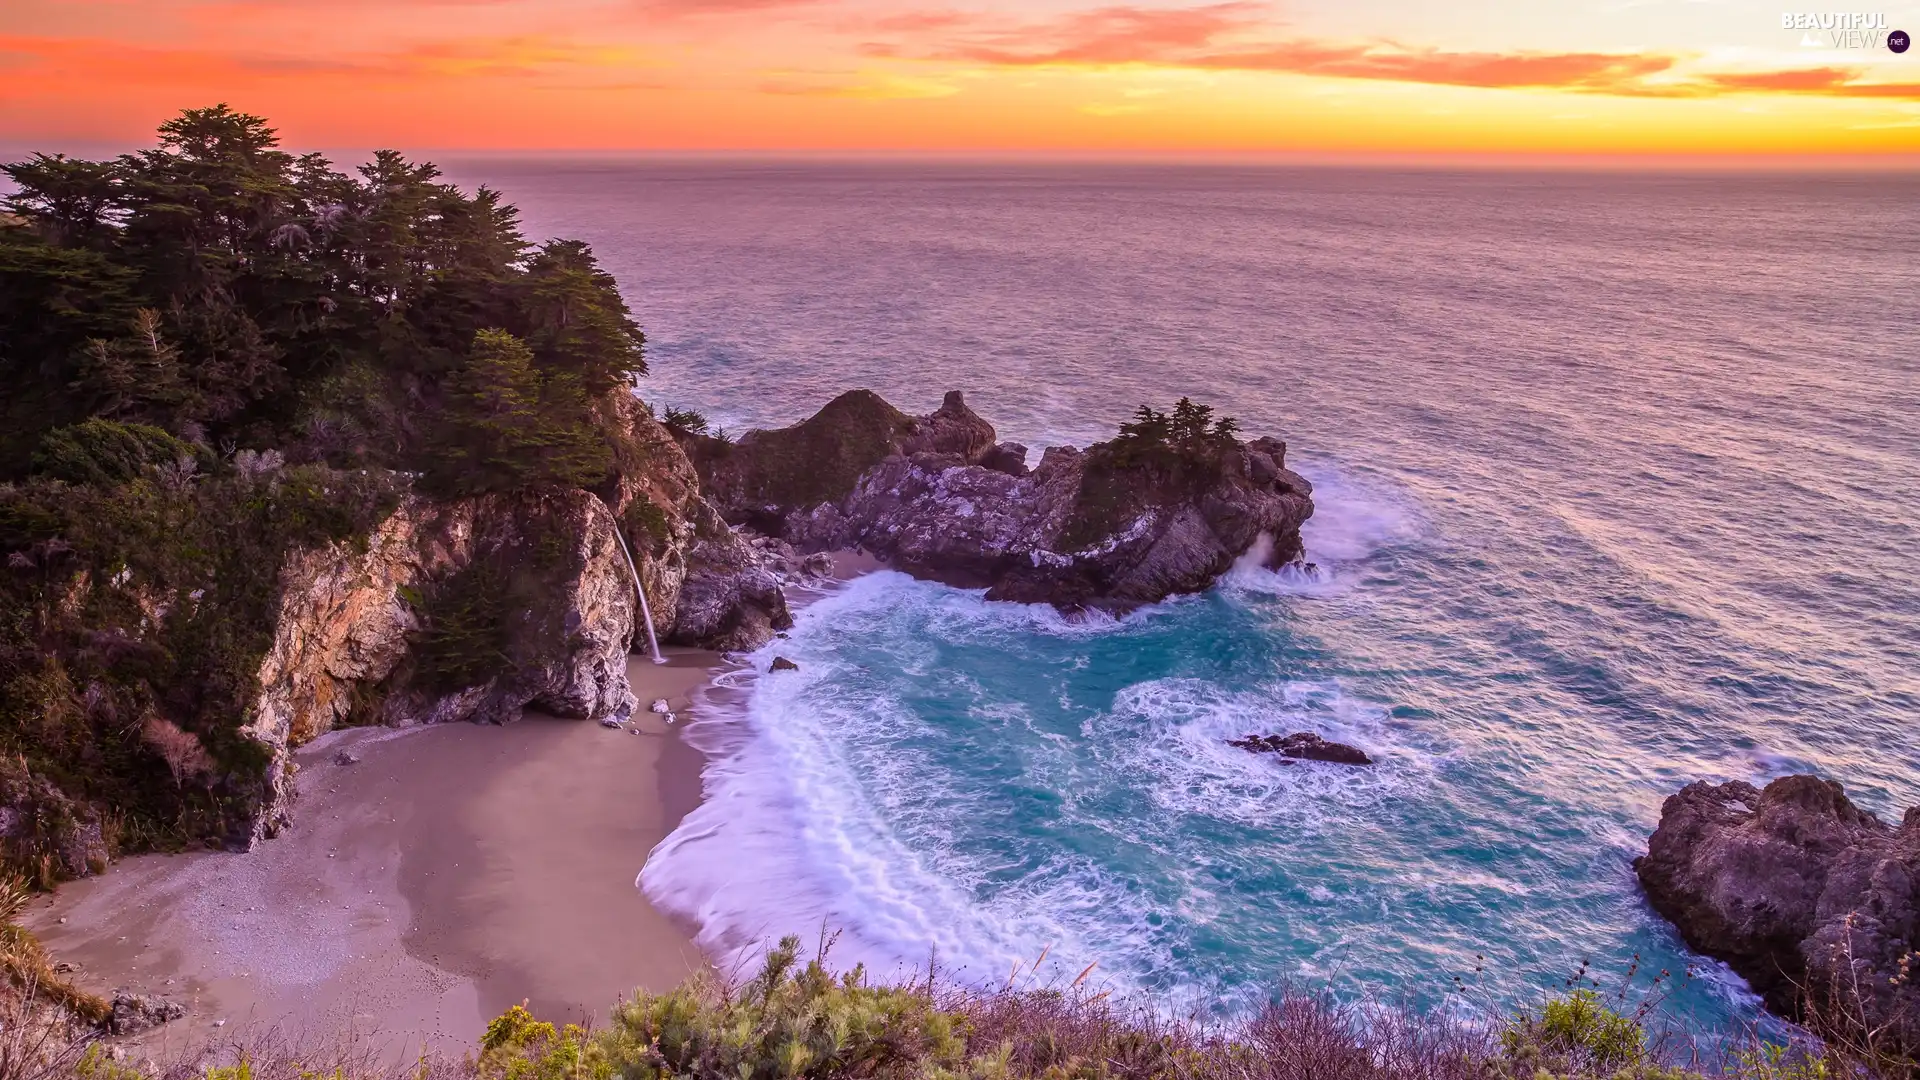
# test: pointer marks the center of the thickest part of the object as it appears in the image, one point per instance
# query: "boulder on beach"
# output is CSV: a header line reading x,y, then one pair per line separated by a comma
x,y
1814,901
1305,746
132,1013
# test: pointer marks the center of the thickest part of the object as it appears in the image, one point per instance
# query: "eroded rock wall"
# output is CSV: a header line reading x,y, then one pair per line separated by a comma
x,y
1814,901
355,637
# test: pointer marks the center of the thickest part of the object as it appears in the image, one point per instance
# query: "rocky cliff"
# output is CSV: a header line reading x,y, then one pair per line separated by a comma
x,y
475,609
1814,901
720,590
470,610
1120,524
171,640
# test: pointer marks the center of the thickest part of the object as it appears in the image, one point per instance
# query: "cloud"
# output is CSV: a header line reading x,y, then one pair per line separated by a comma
x,y
685,8
1838,82
1113,35
509,56
1564,71
1237,36
867,87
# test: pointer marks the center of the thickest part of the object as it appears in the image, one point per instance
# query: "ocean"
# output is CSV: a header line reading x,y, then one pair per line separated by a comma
x,y
1616,480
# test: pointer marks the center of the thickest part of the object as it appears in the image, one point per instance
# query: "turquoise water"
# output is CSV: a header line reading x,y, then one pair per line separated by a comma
x,y
1617,482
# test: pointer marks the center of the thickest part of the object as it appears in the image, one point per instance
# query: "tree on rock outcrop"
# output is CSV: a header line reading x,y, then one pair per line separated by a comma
x,y
507,429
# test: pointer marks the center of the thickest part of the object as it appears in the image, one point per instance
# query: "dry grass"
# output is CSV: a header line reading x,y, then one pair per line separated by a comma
x,y
38,1042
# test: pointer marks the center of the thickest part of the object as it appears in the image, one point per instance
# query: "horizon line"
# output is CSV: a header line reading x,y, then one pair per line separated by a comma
x,y
1893,161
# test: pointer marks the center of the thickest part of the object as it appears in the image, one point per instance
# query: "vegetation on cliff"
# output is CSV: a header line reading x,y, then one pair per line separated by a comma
x,y
1158,459
799,1020
217,352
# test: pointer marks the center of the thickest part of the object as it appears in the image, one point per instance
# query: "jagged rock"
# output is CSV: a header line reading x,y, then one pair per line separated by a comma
x,y
767,475
659,706
1006,457
1115,526
138,1012
708,586
350,614
1303,745
730,601
345,757
781,663
1804,894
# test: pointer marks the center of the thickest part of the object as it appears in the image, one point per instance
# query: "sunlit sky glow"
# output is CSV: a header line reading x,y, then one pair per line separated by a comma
x,y
1334,77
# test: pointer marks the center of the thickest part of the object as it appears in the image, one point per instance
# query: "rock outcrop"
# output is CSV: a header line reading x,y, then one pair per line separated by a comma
x,y
470,610
478,608
1117,525
707,584
133,1013
769,475
1303,746
1814,901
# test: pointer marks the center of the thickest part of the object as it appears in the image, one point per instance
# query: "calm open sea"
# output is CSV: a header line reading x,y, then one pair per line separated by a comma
x,y
1617,481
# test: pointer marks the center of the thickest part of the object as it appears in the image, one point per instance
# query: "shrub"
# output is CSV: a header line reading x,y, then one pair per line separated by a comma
x,y
790,1020
104,452
685,422
1577,1031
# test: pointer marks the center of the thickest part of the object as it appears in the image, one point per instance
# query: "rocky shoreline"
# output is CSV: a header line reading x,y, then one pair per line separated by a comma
x,y
477,608
1812,900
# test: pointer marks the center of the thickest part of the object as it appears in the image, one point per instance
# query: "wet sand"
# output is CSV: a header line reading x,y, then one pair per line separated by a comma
x,y
446,874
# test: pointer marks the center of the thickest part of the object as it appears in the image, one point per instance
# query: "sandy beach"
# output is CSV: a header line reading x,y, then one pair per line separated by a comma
x,y
432,877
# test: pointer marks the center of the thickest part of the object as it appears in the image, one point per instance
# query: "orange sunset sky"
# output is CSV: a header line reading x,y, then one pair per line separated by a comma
x,y
1317,76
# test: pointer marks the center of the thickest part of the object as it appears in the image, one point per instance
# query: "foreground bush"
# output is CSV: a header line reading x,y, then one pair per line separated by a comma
x,y
795,1020
800,1021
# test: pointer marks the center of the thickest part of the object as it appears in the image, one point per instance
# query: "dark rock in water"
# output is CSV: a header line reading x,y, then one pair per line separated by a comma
x,y
1304,745
346,757
781,663
1120,524
1808,897
137,1012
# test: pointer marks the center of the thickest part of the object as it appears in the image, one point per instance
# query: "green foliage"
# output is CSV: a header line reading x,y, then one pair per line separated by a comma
x,y
463,638
1578,1031
1157,458
507,429
817,460
790,1020
153,600
518,1047
1190,431
103,452
176,326
685,421
580,324
218,287
644,518
800,1020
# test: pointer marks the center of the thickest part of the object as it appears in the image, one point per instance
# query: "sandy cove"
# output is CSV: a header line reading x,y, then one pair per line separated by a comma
x,y
446,874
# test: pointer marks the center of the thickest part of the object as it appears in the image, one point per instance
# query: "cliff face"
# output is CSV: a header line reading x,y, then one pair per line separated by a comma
x,y
394,631
708,586
1114,526
1814,901
169,642
475,609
